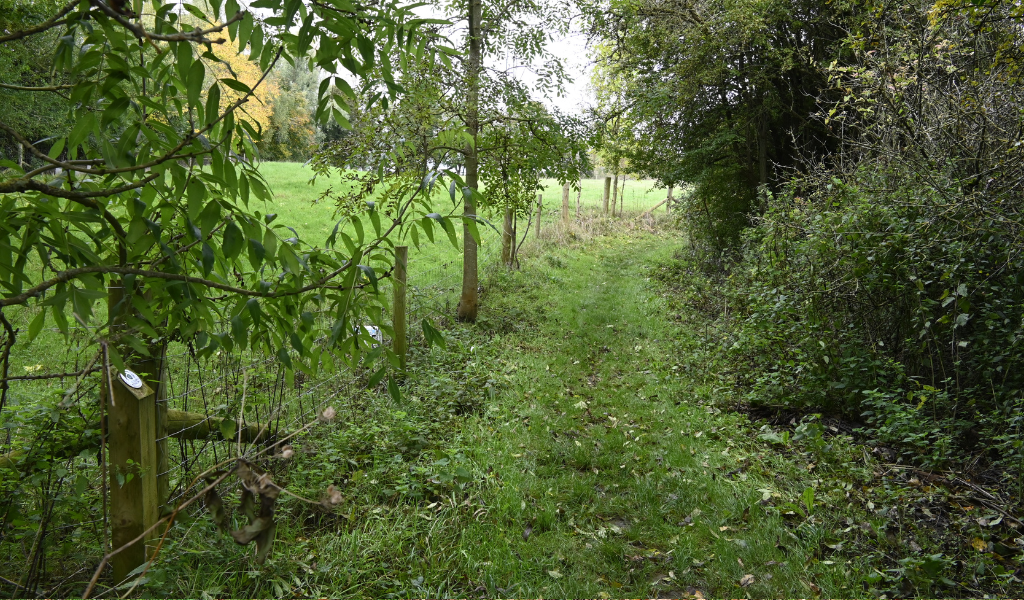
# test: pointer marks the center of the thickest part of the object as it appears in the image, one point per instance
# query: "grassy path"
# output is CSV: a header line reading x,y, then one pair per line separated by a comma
x,y
610,478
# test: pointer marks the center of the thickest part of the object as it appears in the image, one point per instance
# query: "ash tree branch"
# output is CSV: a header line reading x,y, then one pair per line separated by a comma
x,y
196,35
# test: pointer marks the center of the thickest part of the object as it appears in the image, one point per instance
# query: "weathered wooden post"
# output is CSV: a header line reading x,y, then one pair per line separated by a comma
x,y
607,192
134,502
565,204
401,345
668,204
540,206
153,371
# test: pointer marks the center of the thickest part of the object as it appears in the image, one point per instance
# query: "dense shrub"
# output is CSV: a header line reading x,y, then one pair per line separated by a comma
x,y
887,283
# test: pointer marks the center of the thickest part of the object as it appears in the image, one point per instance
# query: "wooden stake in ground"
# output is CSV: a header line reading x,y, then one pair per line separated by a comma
x,y
134,501
607,192
153,371
565,204
398,319
540,206
669,200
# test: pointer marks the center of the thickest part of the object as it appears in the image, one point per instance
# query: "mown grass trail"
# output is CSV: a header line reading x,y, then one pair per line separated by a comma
x,y
610,478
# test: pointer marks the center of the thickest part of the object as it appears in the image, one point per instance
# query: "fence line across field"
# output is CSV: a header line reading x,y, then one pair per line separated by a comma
x,y
206,390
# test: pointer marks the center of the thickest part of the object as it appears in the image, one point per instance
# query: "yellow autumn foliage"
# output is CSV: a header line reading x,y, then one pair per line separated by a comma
x,y
258,110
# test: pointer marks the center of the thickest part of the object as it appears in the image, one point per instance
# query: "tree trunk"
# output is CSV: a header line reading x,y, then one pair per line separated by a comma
x,y
615,193
507,239
622,197
607,193
565,204
470,300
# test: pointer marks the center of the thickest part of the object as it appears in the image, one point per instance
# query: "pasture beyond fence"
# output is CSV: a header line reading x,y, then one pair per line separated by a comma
x,y
189,417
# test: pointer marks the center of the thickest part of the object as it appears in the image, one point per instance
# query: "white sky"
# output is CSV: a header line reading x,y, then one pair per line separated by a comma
x,y
573,51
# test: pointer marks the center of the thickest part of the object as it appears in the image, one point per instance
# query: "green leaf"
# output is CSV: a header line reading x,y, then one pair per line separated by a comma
x,y
36,325
370,274
196,78
238,331
233,241
270,244
84,125
208,259
114,111
396,394
228,428
377,377
57,148
256,253
183,59
236,85
473,231
432,335
230,10
209,218
375,221
196,193
213,103
253,304
286,254
357,225
244,31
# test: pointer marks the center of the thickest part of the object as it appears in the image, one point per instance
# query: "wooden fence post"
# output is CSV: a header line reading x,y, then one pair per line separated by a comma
x,y
401,345
565,204
153,371
540,206
134,502
607,192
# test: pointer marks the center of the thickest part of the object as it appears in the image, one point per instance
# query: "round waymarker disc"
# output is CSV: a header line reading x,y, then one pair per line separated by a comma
x,y
131,380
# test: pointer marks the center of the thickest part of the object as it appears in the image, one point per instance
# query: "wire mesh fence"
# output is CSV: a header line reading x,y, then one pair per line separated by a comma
x,y
51,472
216,408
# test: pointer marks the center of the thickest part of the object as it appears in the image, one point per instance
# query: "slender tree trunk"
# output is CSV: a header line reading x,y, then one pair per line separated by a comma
x,y
565,205
507,239
622,197
615,193
607,193
470,300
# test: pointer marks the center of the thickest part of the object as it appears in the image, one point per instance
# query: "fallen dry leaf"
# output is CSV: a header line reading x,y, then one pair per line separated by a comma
x,y
747,580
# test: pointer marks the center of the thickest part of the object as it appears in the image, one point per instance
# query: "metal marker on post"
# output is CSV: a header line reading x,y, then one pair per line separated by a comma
x,y
401,346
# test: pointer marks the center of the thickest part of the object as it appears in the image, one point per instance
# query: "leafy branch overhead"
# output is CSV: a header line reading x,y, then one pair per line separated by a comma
x,y
153,184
